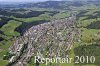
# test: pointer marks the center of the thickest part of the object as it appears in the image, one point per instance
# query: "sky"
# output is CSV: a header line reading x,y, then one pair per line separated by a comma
x,y
24,0
32,0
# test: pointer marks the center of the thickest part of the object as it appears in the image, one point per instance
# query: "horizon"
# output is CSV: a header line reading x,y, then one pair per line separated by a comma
x,y
30,0
35,1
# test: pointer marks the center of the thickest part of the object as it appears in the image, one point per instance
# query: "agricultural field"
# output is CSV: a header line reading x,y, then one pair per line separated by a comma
x,y
88,22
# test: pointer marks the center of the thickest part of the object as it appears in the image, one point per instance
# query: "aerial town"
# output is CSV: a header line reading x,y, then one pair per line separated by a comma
x,y
49,32
52,39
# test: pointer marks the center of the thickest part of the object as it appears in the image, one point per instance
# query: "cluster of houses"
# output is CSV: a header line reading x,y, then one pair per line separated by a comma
x,y
51,39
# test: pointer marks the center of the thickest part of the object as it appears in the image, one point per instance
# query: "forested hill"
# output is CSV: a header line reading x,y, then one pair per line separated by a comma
x,y
51,4
60,4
